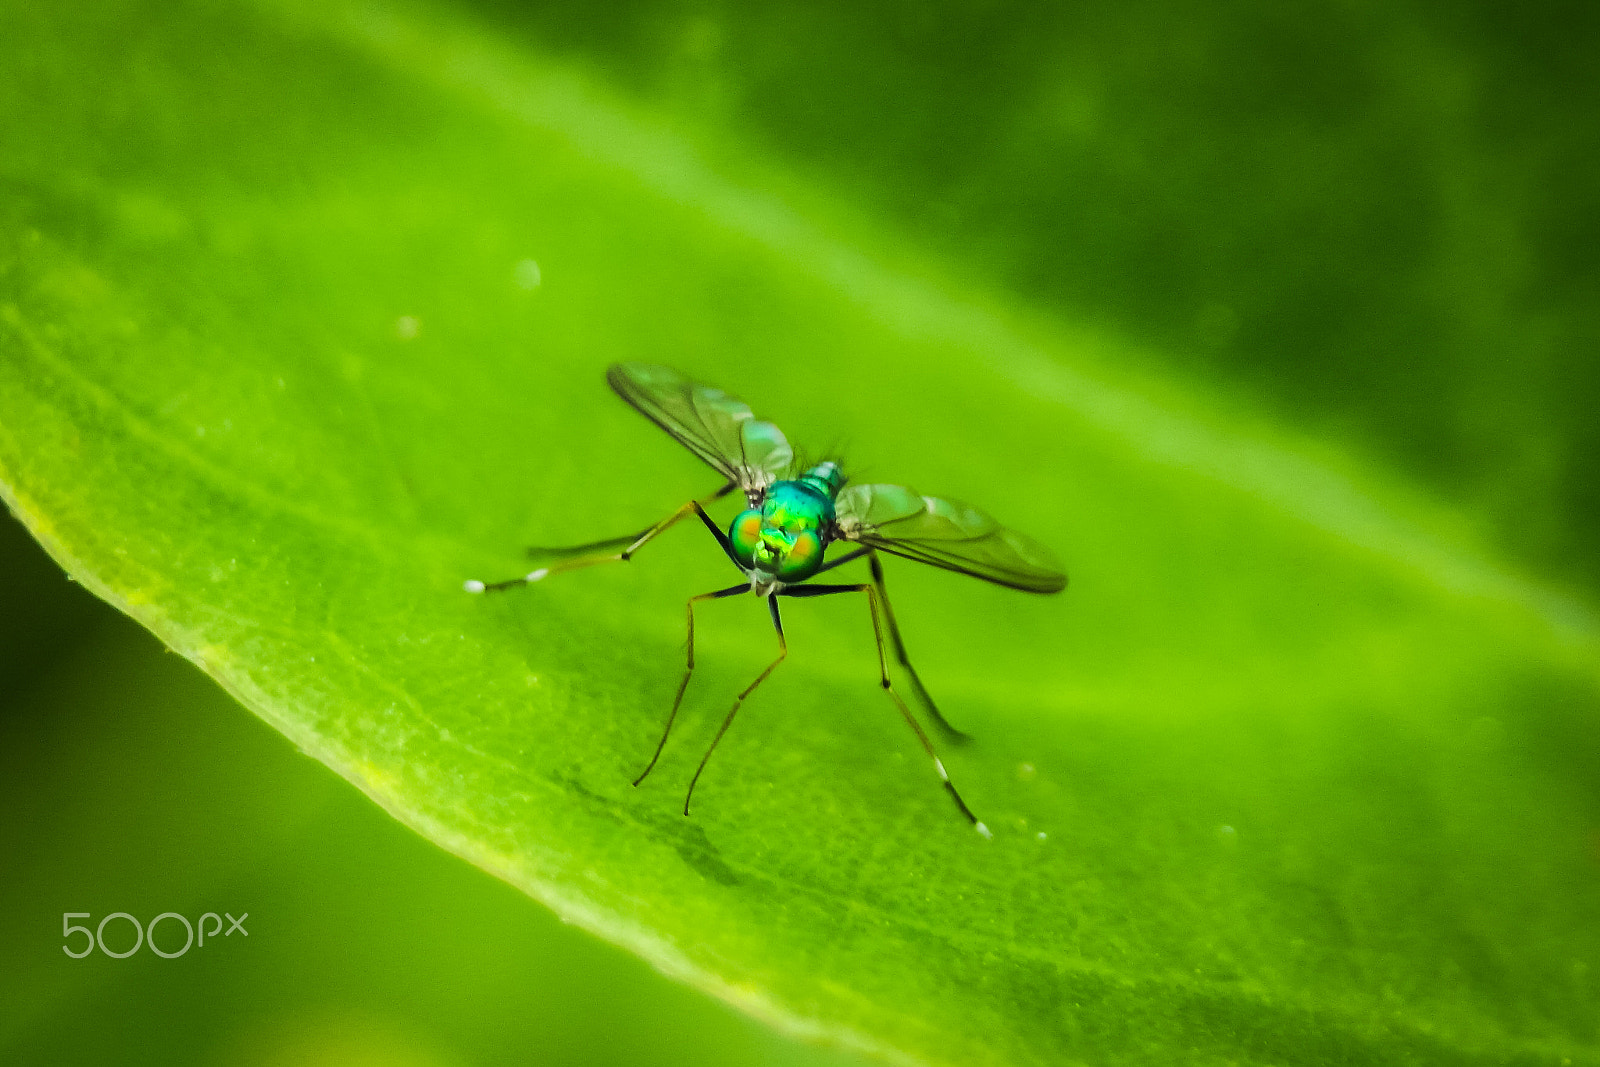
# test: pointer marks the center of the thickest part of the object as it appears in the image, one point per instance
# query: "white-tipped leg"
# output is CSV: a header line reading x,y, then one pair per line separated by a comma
x,y
888,687
984,830
612,550
472,585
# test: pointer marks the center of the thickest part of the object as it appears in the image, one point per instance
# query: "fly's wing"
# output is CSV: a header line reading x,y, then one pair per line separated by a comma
x,y
955,536
708,422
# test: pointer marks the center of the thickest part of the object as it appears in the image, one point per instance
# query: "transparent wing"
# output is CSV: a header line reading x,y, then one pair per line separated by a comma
x,y
955,536
713,425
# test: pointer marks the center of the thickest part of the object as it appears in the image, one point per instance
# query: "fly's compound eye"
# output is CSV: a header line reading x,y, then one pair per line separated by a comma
x,y
745,534
802,559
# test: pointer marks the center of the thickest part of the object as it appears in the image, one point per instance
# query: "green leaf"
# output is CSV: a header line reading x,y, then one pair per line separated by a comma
x,y
1291,774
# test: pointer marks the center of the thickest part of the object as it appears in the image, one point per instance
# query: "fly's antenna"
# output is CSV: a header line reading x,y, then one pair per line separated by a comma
x,y
836,452
804,461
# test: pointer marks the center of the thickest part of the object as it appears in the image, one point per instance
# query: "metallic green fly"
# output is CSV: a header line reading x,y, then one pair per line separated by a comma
x,y
791,517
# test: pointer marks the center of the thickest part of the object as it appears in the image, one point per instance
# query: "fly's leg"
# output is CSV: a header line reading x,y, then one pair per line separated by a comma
x,y
783,650
888,687
688,670
839,561
950,733
587,555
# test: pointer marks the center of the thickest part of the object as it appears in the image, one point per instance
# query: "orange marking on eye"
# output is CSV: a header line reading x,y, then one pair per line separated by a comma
x,y
803,556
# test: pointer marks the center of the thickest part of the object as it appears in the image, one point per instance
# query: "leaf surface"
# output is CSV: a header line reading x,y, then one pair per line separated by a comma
x,y
307,321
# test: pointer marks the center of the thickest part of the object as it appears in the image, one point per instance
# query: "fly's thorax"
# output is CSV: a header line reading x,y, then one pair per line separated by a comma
x,y
785,537
826,478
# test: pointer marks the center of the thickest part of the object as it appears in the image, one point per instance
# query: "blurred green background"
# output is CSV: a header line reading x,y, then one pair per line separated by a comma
x,y
1375,222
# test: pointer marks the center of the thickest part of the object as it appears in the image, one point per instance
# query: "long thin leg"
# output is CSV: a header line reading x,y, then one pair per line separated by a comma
x,y
948,732
565,551
584,555
951,734
783,650
683,685
848,557
888,687
716,531
545,552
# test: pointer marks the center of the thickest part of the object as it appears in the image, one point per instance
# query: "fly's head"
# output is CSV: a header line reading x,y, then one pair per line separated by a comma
x,y
786,535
